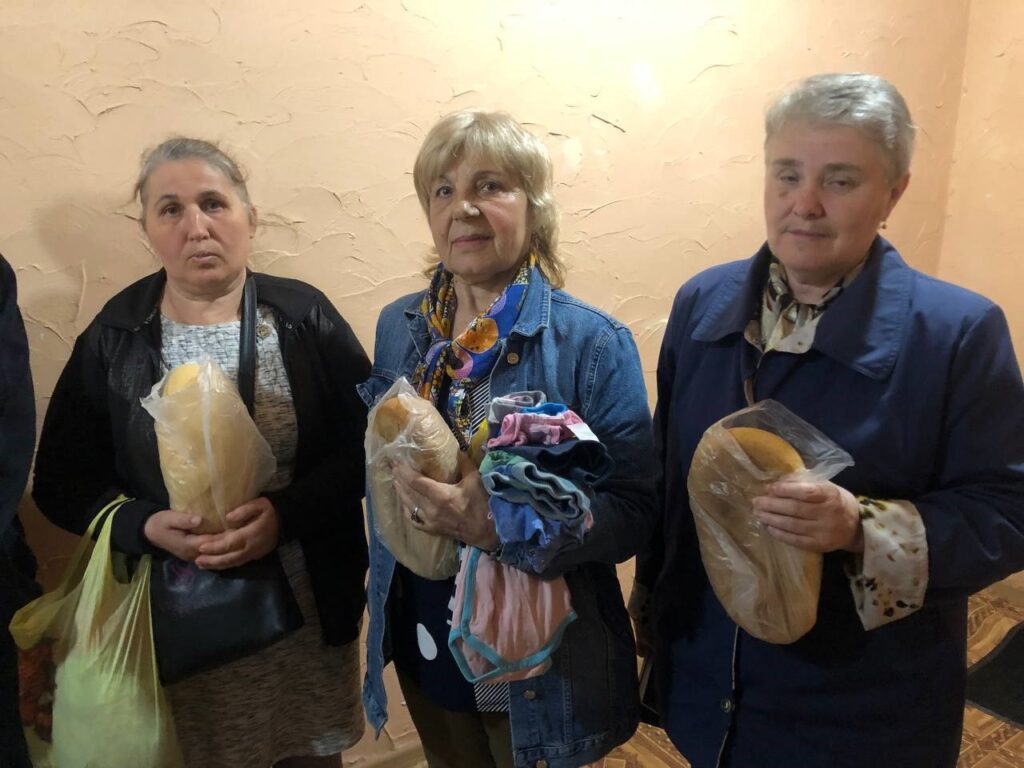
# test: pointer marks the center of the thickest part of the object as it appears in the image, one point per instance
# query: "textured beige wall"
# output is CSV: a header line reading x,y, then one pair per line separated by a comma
x,y
983,245
652,112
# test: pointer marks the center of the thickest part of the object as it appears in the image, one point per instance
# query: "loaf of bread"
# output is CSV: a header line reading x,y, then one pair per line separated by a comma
x,y
767,451
768,587
180,377
415,423
212,456
404,428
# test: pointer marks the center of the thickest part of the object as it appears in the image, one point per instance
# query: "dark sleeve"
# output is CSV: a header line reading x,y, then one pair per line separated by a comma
x,y
17,402
76,474
338,471
651,558
974,519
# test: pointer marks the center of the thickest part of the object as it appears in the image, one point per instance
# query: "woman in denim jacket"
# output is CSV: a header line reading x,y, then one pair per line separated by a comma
x,y
484,183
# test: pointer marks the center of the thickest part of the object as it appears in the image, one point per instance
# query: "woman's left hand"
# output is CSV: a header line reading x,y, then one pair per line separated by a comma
x,y
253,532
458,510
816,516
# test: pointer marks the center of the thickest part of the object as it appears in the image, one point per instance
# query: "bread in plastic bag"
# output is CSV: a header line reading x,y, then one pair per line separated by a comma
x,y
768,587
212,456
403,428
109,708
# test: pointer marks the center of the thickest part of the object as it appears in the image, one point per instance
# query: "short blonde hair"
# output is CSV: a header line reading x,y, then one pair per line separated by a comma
x,y
496,136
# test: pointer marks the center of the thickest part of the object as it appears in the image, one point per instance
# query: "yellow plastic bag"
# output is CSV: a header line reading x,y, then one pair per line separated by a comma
x,y
108,707
212,456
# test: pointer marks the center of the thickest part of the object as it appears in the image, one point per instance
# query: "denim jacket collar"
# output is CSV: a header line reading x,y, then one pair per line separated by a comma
x,y
863,328
534,315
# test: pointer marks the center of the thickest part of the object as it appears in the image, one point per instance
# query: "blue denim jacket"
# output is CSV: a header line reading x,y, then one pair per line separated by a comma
x,y
587,703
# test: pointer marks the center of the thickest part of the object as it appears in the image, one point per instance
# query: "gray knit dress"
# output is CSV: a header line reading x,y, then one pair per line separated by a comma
x,y
298,697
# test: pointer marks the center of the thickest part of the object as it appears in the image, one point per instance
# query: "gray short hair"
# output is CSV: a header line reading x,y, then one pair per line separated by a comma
x,y
498,137
184,148
868,102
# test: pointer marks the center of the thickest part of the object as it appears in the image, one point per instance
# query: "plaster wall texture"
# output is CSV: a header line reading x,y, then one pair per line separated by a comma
x,y
984,227
652,112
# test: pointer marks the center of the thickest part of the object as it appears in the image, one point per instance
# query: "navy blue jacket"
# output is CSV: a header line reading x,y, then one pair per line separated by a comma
x,y
917,379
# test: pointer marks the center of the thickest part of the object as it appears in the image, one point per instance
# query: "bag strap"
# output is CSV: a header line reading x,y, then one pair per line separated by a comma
x,y
109,509
247,346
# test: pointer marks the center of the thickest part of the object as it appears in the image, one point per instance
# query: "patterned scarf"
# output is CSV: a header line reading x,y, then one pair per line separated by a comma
x,y
784,318
469,358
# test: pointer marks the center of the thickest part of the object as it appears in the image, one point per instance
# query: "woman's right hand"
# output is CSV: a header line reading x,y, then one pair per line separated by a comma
x,y
175,532
459,510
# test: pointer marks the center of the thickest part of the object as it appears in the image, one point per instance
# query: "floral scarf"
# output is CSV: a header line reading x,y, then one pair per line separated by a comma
x,y
787,325
469,358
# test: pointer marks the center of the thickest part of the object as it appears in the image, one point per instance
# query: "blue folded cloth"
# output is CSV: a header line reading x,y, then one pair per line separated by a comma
x,y
545,537
550,495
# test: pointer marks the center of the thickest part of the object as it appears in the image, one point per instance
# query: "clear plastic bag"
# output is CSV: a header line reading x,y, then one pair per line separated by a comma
x,y
425,443
108,706
767,587
212,456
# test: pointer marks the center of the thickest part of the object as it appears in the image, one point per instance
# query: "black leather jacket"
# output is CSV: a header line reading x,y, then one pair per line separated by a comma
x,y
98,441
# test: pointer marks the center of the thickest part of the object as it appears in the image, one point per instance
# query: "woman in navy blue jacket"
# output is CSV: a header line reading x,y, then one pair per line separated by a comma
x,y
918,381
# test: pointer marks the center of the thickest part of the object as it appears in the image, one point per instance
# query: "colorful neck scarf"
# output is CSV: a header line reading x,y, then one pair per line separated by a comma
x,y
471,356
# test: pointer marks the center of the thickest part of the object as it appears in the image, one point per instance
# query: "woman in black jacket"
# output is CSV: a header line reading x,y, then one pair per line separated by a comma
x,y
295,703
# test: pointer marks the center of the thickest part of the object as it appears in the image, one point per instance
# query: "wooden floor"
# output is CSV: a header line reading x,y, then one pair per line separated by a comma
x,y
987,742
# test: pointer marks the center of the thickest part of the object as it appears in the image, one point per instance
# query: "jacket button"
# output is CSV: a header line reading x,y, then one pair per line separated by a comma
x,y
541,763
513,358
530,695
727,705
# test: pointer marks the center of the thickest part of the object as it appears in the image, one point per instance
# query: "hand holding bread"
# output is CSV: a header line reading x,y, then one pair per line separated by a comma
x,y
766,586
212,455
404,429
764,511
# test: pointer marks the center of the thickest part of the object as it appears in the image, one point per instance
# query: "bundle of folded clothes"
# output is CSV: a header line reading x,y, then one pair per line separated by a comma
x,y
541,467
540,470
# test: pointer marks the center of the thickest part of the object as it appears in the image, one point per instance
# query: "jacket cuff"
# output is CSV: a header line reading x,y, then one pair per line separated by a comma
x,y
889,579
285,518
127,534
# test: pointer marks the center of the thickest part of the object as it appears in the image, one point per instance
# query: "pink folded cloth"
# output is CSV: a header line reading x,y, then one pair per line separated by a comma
x,y
535,429
515,620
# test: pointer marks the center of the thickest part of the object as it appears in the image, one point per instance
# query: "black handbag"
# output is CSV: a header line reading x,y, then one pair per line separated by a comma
x,y
203,619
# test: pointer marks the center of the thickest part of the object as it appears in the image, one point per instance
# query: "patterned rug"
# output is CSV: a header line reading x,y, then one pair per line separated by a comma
x,y
987,741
